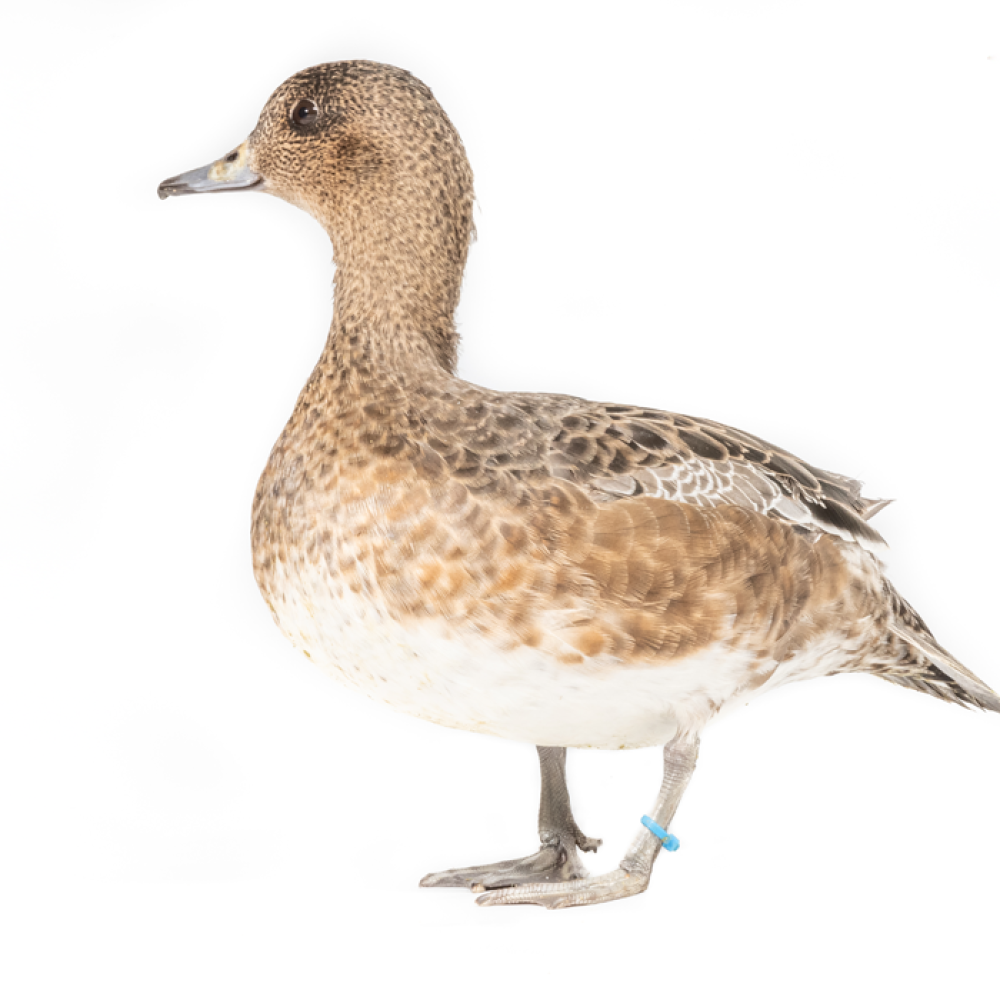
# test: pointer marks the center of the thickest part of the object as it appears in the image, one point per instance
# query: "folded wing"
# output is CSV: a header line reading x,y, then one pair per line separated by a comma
x,y
623,451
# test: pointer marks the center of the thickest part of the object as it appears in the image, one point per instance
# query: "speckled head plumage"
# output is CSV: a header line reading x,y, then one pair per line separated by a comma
x,y
367,150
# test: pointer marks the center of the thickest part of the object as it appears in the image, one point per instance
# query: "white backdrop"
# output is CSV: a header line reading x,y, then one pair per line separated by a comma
x,y
782,215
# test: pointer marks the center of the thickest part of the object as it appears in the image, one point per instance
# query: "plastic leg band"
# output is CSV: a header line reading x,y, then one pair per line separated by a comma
x,y
668,840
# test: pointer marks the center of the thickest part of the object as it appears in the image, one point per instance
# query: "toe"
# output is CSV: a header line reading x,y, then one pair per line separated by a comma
x,y
618,884
552,864
462,878
447,880
539,893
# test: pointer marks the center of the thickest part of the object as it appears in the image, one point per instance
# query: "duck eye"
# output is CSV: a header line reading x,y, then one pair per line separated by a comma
x,y
305,113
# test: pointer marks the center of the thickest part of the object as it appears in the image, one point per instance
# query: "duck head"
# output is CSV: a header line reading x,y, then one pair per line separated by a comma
x,y
367,151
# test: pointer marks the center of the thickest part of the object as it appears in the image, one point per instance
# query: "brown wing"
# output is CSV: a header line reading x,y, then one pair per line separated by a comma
x,y
626,451
614,452
621,451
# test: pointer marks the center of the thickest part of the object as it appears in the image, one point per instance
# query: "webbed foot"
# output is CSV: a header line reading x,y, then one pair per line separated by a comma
x,y
618,884
557,861
579,889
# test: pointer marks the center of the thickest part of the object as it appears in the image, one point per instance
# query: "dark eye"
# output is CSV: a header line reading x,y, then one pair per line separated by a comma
x,y
305,113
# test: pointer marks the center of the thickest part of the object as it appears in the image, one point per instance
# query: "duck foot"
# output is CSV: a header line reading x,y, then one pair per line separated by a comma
x,y
556,862
632,876
619,884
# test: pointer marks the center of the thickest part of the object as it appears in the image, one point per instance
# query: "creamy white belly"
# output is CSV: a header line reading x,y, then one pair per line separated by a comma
x,y
459,679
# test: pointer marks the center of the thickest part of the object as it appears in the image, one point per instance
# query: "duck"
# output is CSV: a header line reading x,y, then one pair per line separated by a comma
x,y
534,566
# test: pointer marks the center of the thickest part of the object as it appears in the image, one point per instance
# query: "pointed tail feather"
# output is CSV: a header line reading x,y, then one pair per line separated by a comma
x,y
872,507
941,674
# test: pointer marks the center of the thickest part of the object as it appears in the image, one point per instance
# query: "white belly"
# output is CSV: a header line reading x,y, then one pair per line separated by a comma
x,y
459,679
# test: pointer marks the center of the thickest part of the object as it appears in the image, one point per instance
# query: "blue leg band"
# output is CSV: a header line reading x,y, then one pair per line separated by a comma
x,y
669,841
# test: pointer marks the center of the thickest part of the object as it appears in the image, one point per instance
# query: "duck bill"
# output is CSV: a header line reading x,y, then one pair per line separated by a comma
x,y
231,173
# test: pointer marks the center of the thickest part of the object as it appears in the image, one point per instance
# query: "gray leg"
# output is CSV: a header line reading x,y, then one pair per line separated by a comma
x,y
557,861
632,876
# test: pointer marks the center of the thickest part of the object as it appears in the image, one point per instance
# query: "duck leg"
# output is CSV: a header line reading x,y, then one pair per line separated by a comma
x,y
556,861
632,876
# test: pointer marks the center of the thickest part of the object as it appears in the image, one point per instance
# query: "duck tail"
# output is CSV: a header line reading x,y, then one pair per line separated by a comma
x,y
918,661
939,673
871,507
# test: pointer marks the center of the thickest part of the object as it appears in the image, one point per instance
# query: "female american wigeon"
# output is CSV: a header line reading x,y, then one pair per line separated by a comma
x,y
539,567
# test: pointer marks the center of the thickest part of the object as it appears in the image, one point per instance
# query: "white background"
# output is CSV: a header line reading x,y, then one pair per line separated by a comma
x,y
782,215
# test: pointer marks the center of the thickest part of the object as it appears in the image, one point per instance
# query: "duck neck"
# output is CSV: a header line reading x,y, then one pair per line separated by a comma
x,y
395,313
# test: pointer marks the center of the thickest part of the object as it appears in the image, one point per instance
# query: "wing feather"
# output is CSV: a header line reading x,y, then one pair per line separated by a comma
x,y
619,451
